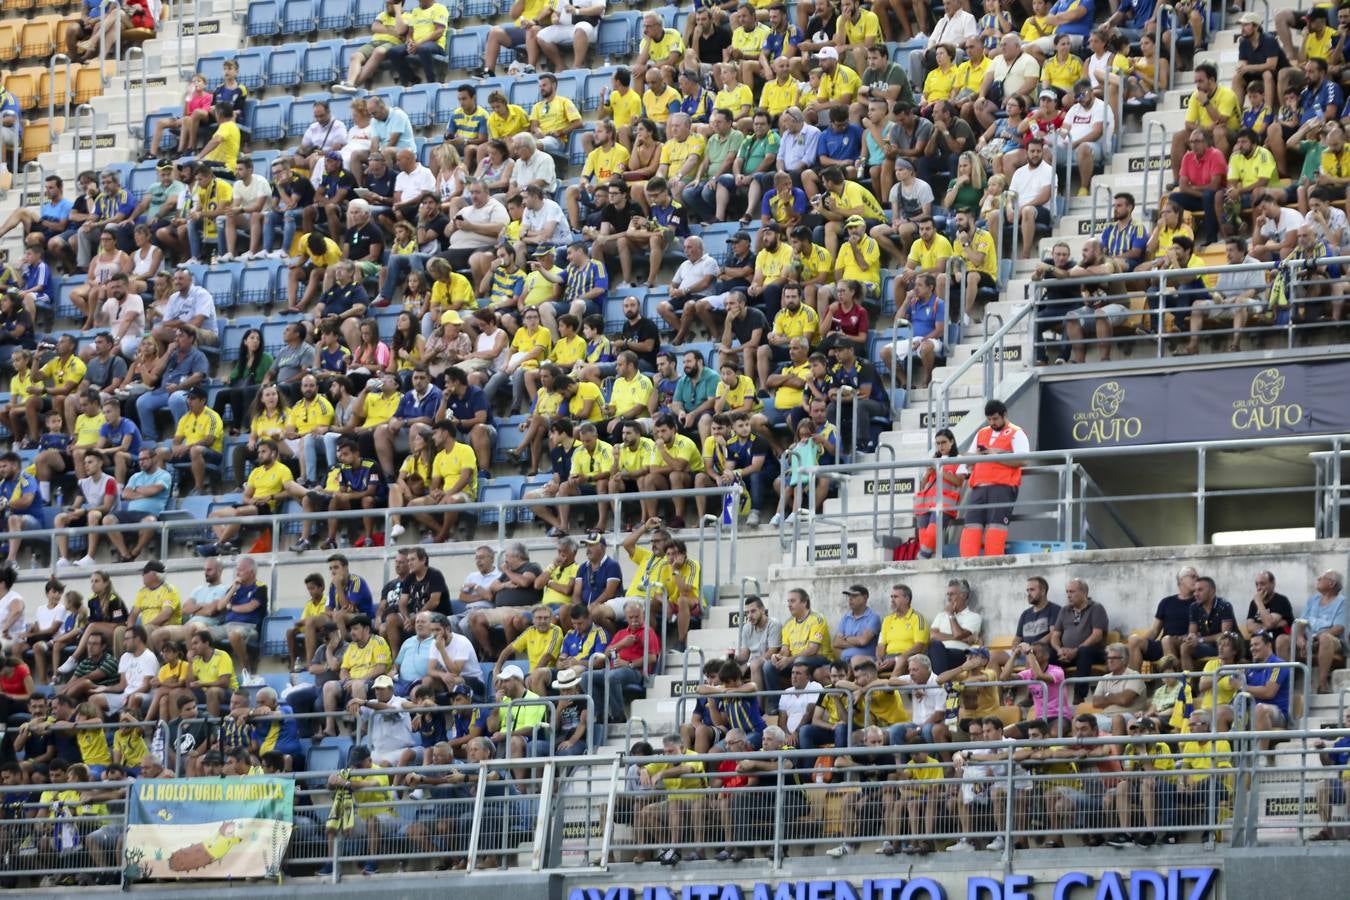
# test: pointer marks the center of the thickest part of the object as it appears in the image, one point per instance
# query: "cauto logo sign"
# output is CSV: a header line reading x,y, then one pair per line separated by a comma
x,y
1263,411
1101,423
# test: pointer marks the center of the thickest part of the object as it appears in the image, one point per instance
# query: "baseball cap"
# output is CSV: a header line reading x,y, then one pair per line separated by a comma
x,y
855,220
855,590
1048,93
740,236
509,672
828,53
541,251
333,154
592,538
384,681
1250,18
153,565
197,391
461,690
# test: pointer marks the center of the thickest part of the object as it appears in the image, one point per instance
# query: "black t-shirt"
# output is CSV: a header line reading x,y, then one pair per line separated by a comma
x,y
734,284
1033,624
389,595
710,46
360,240
29,337
298,186
1175,614
1211,622
341,180
1280,606
382,186
958,129
1051,292
1267,48
437,225
419,592
817,24
643,329
744,328
521,596
619,216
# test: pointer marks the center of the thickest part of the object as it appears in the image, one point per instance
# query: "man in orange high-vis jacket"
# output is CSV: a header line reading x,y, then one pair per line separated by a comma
x,y
993,485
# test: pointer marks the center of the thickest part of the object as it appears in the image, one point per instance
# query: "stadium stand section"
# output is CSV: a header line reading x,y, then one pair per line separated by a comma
x,y
288,403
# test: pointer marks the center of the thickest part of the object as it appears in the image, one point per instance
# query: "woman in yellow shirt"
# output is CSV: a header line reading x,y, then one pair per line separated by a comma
x,y
940,84
22,360
172,678
414,476
547,402
268,421
1062,70
406,347
1170,224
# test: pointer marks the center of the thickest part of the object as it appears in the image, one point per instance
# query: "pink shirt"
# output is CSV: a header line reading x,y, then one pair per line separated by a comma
x,y
1200,171
198,101
1047,704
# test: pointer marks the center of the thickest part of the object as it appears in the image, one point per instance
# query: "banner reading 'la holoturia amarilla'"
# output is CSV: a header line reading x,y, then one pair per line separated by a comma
x,y
208,828
1199,405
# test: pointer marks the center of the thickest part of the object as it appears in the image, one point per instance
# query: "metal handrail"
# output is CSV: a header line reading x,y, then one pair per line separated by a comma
x,y
51,86
1150,125
85,109
992,342
825,690
136,126
1069,457
28,168
1100,186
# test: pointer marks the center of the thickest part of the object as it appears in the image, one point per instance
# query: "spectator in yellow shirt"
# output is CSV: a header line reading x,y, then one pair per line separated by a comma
x,y
553,118
662,48
976,246
266,489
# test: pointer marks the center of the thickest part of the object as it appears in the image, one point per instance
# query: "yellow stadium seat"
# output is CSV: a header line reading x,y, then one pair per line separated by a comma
x,y
88,82
23,84
1002,642
56,90
37,139
9,42
35,39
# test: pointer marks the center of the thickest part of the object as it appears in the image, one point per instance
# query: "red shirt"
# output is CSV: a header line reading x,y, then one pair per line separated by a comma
x,y
730,778
1041,128
853,322
634,650
1200,171
14,684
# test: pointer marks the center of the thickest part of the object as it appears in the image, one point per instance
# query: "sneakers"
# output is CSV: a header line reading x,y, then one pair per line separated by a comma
x,y
370,868
300,546
377,539
85,561
343,87
840,851
326,869
669,857
275,254
64,563
68,666
997,844
362,541
886,849
1119,840
192,261
776,520
396,531
752,520
226,257
961,846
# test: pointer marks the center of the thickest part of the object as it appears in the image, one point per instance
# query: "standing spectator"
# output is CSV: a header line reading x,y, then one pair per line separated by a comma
x,y
955,630
1210,616
1324,638
994,486
1079,634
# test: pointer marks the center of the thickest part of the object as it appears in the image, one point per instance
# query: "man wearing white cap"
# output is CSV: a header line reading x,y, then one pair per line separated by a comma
x,y
387,725
513,725
573,720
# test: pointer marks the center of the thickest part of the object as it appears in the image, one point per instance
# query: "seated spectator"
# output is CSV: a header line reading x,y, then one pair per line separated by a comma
x,y
1088,136
1271,612
806,639
1077,637
424,34
954,630
1251,169
859,628
1324,637
1335,757
1034,186
1120,694
1203,170
1269,687
366,61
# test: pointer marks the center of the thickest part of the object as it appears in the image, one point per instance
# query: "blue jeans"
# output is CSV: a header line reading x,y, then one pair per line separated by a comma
x,y
813,737
760,483
400,60
701,199
195,239
398,270
309,447
288,221
149,403
612,683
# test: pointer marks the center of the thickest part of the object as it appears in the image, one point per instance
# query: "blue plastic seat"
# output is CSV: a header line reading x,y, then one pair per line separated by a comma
x,y
616,35
524,92
274,632
594,85
364,12
222,283
259,280
269,119
301,114
298,16
340,107
492,492
329,755
141,178
392,95
253,67
426,149
274,336
263,18
64,308
417,102
212,68
533,483
335,15
466,47
320,63
284,65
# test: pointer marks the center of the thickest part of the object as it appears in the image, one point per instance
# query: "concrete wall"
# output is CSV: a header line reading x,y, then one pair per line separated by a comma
x,y
1128,583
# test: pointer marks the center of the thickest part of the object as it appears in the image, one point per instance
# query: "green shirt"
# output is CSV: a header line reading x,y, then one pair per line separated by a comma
x,y
718,149
516,715
754,150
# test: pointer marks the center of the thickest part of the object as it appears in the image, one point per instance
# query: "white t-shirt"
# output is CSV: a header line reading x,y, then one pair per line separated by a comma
x,y
967,618
112,313
477,580
488,341
408,186
461,648
690,273
1081,119
926,700
47,616
248,194
8,604
954,30
794,703
137,670
96,489
1289,220
539,219
1015,73
539,167
491,213
1027,183
913,200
